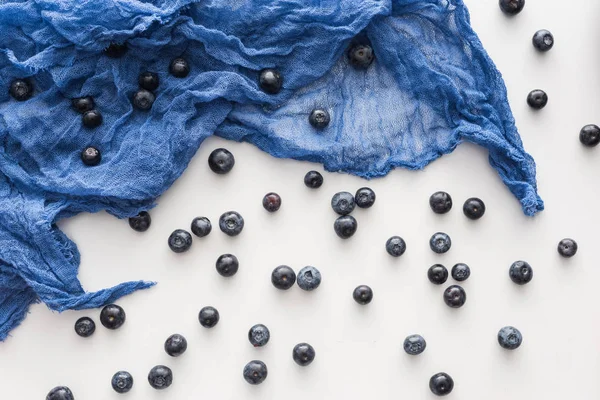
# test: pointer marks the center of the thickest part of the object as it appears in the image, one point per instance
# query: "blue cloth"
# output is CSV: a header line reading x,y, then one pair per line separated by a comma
x,y
431,87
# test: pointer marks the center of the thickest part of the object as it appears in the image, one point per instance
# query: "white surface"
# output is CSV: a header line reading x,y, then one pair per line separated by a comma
x,y
359,349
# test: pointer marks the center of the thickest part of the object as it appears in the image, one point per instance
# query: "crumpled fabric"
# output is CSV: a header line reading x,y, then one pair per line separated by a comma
x,y
431,86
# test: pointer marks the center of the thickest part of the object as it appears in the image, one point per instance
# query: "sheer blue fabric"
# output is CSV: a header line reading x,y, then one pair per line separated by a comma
x,y
431,86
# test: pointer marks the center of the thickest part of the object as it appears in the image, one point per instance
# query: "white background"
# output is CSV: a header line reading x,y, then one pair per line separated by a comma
x,y
359,349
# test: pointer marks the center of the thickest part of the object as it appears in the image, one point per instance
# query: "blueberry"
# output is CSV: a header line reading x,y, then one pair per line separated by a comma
x,y
363,294
21,89
309,278
414,345
83,104
440,243
509,338
361,56
91,119
201,226
461,272
303,354
160,377
91,156
319,118
231,223
255,372
122,382
590,135
140,222
112,316
180,241
441,384
567,248
148,80
85,327
259,335
179,68
221,161
474,208
283,277
437,274
543,40
175,345
60,393
342,203
345,226
364,197
227,265
143,99
395,246
440,202
455,296
116,50
313,179
208,317
512,7
537,99
271,202
520,272
270,81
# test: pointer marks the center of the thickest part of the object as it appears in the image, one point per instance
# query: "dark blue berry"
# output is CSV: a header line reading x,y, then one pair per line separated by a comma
x,y
309,278
175,345
440,202
537,99
91,119
543,40
221,161
270,81
361,56
201,226
271,202
91,156
567,248
509,338
116,50
179,68
313,179
112,316
60,393
231,223
345,226
440,243
414,345
437,274
209,317
83,104
363,294
474,208
140,222
364,197
395,246
227,265
590,135
180,241
303,354
512,7
160,377
319,118
255,372
143,99
441,384
148,80
455,296
342,203
122,382
283,277
520,272
461,272
85,327
259,335
21,89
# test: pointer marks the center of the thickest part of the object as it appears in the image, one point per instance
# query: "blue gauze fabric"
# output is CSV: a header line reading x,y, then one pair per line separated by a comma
x,y
431,86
